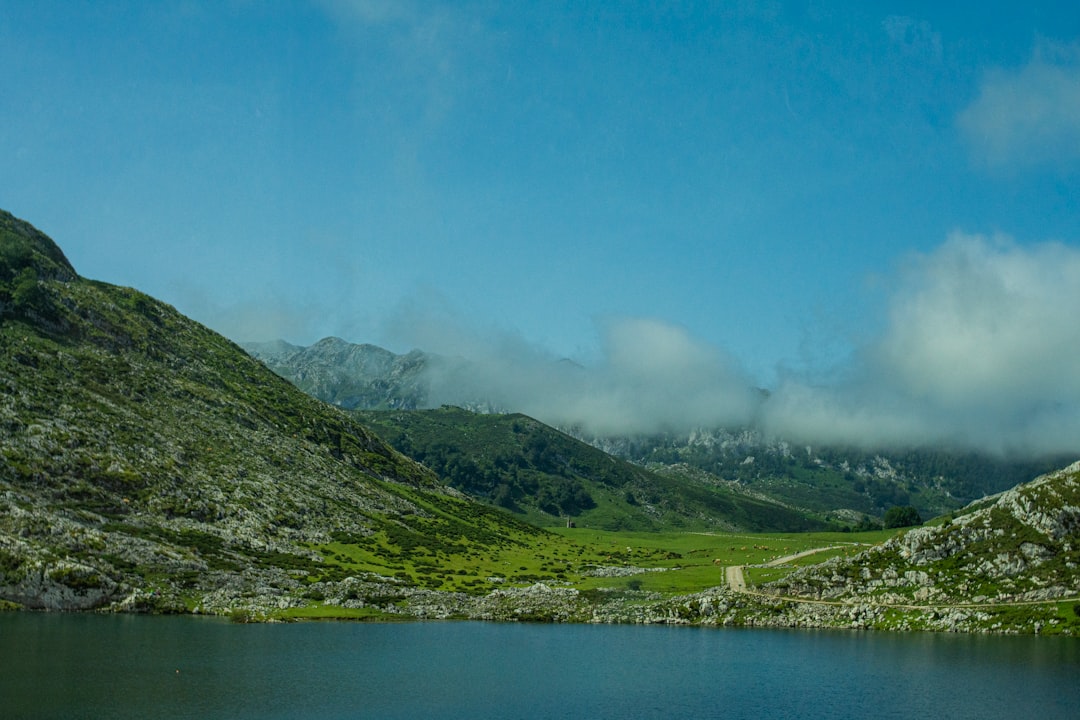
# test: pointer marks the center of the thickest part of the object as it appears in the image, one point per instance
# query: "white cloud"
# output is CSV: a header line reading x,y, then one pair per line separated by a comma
x,y
419,65
436,44
1028,116
652,376
914,37
373,12
980,349
656,376
268,317
987,322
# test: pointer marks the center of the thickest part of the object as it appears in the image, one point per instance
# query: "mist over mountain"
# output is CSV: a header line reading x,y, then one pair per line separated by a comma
x,y
654,378
839,480
974,350
349,375
147,464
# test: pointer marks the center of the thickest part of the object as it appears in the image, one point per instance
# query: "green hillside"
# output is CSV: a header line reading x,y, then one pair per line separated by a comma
x,y
548,477
830,479
147,462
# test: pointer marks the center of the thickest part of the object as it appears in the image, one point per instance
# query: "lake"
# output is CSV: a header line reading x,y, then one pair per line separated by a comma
x,y
119,666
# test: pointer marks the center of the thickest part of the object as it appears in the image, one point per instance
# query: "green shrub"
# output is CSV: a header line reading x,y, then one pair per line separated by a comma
x,y
902,516
241,615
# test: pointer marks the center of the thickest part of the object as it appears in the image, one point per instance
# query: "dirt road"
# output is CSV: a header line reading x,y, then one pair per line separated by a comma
x,y
735,579
734,573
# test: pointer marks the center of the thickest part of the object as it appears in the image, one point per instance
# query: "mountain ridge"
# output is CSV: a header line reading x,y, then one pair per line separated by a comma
x,y
349,375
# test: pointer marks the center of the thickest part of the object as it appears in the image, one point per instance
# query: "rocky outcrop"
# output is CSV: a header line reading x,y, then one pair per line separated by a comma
x,y
149,465
60,586
1024,545
351,376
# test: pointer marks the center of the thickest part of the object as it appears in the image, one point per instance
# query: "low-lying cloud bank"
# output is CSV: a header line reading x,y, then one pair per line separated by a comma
x,y
979,349
653,377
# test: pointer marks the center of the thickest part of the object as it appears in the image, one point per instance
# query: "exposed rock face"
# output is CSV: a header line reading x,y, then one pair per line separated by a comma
x,y
61,586
146,463
350,376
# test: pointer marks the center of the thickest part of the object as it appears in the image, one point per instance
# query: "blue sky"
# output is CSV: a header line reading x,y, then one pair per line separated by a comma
x,y
844,202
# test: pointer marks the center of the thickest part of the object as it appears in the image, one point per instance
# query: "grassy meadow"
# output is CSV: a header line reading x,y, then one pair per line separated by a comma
x,y
475,560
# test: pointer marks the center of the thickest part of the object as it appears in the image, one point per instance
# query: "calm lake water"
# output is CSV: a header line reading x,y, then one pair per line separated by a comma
x,y
86,666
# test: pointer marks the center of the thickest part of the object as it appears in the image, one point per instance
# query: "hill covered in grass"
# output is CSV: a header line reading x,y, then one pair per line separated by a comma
x,y
548,477
148,462
843,481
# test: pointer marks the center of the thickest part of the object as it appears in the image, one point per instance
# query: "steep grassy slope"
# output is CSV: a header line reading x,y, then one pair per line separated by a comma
x,y
547,476
147,461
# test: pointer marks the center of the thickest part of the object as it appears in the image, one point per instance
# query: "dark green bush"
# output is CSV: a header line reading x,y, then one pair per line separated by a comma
x,y
902,516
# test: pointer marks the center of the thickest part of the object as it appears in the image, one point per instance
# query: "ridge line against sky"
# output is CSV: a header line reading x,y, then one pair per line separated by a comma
x,y
869,208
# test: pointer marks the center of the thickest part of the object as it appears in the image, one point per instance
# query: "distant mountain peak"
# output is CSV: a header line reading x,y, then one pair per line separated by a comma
x,y
350,375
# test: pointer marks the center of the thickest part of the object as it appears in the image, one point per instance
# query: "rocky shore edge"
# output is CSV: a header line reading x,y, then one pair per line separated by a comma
x,y
381,598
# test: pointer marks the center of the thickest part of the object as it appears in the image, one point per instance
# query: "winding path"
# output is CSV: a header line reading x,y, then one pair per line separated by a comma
x,y
737,582
735,579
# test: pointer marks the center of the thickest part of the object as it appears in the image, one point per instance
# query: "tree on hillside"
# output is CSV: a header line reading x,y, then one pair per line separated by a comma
x,y
902,516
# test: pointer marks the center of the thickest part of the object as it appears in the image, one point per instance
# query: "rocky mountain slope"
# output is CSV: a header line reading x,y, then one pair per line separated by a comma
x,y
1023,545
146,461
148,464
847,482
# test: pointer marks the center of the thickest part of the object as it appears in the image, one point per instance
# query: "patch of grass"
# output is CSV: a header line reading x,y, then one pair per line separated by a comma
x,y
331,612
690,561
